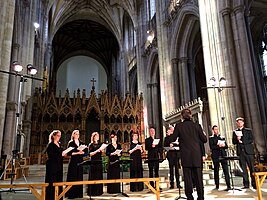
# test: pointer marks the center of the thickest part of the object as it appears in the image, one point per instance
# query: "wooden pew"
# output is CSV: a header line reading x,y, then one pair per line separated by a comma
x,y
70,184
259,178
31,186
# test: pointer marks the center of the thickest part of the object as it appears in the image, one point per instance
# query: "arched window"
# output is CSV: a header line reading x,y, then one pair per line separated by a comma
x,y
151,8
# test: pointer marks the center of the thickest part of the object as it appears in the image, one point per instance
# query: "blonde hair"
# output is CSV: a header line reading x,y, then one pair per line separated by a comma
x,y
73,133
52,135
93,135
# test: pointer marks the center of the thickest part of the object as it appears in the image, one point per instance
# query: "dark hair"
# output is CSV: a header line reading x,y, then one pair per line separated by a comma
x,y
214,126
112,135
133,133
186,114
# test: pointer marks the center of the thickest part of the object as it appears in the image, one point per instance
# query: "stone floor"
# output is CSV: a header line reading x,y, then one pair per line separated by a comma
x,y
166,194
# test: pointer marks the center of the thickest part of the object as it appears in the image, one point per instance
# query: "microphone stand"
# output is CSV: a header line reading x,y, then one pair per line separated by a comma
x,y
179,188
89,162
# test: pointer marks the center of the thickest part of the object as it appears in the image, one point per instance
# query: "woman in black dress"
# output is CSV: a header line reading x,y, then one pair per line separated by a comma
x,y
54,164
113,164
75,171
95,167
136,168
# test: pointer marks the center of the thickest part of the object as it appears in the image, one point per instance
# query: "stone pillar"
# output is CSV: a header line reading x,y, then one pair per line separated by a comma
x,y
248,85
214,66
6,26
230,64
25,146
155,108
184,80
175,85
149,105
192,80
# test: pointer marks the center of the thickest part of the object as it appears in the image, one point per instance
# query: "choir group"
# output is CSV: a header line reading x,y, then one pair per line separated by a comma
x,y
76,150
190,151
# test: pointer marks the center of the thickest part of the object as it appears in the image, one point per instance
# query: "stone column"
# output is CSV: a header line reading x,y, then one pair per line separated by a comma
x,y
248,84
214,65
6,26
175,85
149,105
230,64
192,80
184,80
155,108
10,122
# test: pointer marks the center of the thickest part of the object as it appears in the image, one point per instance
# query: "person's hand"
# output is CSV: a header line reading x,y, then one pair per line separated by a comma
x,y
171,145
63,154
238,137
240,141
222,145
81,152
153,146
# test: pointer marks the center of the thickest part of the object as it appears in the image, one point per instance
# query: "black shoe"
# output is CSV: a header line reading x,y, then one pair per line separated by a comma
x,y
245,187
228,188
171,187
179,186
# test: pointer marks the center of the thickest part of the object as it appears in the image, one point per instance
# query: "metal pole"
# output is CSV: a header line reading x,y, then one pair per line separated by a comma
x,y
15,145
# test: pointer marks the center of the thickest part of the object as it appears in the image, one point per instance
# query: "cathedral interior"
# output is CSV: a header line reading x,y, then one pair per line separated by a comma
x,y
117,66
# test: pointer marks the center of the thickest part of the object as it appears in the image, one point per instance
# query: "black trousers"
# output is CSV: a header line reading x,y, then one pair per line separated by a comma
x,y
153,167
189,173
216,164
174,166
245,160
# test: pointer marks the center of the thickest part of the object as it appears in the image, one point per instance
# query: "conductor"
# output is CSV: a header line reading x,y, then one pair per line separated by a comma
x,y
190,135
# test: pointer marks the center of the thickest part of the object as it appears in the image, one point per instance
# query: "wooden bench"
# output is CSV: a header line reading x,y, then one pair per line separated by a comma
x,y
70,184
31,186
259,178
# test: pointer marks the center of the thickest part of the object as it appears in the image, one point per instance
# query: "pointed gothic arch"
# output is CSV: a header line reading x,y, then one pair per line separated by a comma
x,y
154,94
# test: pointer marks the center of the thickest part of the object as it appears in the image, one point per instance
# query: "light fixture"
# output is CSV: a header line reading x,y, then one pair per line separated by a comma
x,y
222,82
31,70
36,25
212,81
17,67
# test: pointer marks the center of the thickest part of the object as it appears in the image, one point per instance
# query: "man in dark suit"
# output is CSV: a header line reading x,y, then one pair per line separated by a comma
x,y
218,148
173,157
190,136
243,138
153,155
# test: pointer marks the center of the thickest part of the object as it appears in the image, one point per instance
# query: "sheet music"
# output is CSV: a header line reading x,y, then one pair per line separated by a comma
x,y
156,141
176,148
138,146
172,148
175,142
221,142
67,150
118,151
238,133
103,147
81,147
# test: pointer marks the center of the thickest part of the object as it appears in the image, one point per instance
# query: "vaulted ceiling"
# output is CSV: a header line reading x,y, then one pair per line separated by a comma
x,y
85,37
